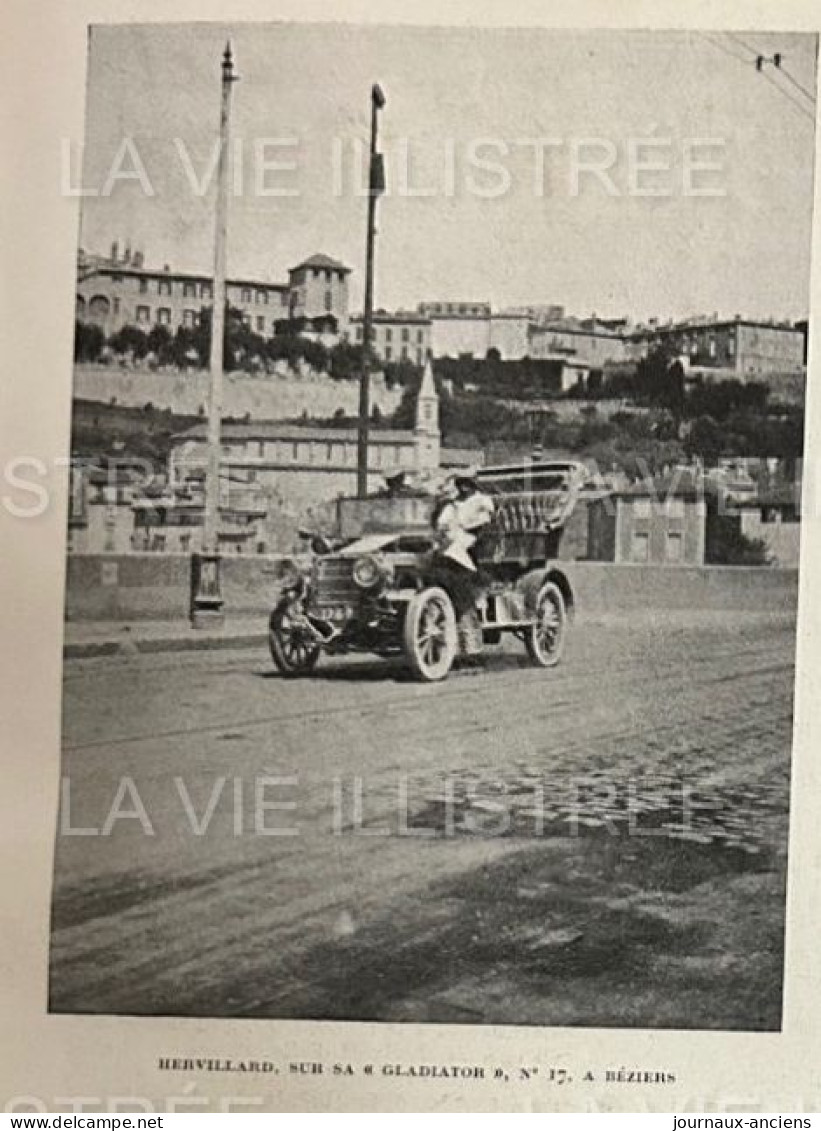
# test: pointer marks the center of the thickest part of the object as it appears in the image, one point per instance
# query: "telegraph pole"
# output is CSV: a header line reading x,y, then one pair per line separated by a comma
x,y
376,186
206,603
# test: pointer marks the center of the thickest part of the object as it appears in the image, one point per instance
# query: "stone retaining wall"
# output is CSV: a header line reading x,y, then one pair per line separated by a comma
x,y
156,586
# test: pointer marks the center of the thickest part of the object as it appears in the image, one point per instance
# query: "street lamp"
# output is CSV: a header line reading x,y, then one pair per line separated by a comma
x,y
376,186
206,592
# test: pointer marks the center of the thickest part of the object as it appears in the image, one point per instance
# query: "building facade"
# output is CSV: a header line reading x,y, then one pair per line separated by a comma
x,y
175,522
510,336
590,347
744,349
100,518
275,476
770,514
472,330
318,287
122,291
304,467
517,334
458,335
739,348
112,510
454,309
538,312
399,336
639,527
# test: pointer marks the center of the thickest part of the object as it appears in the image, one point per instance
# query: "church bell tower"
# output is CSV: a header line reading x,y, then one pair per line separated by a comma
x,y
427,436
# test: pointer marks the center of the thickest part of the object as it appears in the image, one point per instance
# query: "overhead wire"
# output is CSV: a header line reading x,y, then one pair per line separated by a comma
x,y
800,105
797,84
779,67
716,42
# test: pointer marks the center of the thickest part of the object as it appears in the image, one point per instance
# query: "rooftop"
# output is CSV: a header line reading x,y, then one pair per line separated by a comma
x,y
686,483
322,261
713,323
574,326
165,272
409,316
292,430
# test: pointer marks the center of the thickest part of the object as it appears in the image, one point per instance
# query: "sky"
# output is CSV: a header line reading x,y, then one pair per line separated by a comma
x,y
457,96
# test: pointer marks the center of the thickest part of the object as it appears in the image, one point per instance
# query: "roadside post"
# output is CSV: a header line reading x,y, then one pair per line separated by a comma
x,y
206,591
376,186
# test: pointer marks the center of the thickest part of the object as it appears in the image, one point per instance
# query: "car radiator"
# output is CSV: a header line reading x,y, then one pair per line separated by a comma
x,y
333,584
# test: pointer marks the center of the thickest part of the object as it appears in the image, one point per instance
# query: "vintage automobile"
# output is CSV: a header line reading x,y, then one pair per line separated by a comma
x,y
378,585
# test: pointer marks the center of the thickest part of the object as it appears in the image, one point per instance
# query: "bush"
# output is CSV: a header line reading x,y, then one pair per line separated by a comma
x,y
315,354
727,545
292,350
130,340
659,381
284,347
346,361
89,341
720,399
160,342
403,373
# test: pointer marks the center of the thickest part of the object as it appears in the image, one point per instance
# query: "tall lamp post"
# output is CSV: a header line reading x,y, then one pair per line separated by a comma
x,y
206,591
376,186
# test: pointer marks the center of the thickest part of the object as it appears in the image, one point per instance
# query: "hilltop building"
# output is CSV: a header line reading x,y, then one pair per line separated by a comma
x,y
455,309
471,329
712,348
317,288
400,336
743,348
588,343
120,291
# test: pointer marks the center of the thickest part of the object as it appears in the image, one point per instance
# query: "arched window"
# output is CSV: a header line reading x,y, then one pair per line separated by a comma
x,y
98,308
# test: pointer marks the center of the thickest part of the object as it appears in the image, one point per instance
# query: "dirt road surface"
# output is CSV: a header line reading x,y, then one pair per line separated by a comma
x,y
602,844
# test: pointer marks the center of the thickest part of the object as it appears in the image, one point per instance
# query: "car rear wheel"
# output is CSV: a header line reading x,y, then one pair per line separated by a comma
x,y
545,638
292,649
430,642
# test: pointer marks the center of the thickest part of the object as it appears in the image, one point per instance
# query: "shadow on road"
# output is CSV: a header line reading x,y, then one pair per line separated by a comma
x,y
394,669
575,932
379,671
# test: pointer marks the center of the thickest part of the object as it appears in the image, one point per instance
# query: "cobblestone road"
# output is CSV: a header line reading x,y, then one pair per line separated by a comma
x,y
601,844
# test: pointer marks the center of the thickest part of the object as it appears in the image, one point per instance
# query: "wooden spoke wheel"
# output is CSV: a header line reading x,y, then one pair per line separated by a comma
x,y
545,639
430,642
293,650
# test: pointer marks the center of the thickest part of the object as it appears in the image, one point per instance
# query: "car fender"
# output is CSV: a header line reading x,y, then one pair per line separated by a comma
x,y
533,581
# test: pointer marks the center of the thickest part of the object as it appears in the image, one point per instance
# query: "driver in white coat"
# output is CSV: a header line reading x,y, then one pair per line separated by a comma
x,y
460,522
462,519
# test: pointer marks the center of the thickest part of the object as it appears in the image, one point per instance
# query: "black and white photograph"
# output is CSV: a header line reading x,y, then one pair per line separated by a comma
x,y
434,523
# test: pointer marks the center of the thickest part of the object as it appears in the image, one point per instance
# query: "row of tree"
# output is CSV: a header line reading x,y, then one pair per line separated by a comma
x,y
244,349
189,346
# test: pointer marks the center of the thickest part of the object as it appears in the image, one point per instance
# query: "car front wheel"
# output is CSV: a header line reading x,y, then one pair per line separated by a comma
x,y
292,649
430,643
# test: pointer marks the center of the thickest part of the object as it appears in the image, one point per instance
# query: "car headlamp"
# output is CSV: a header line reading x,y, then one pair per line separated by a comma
x,y
366,572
